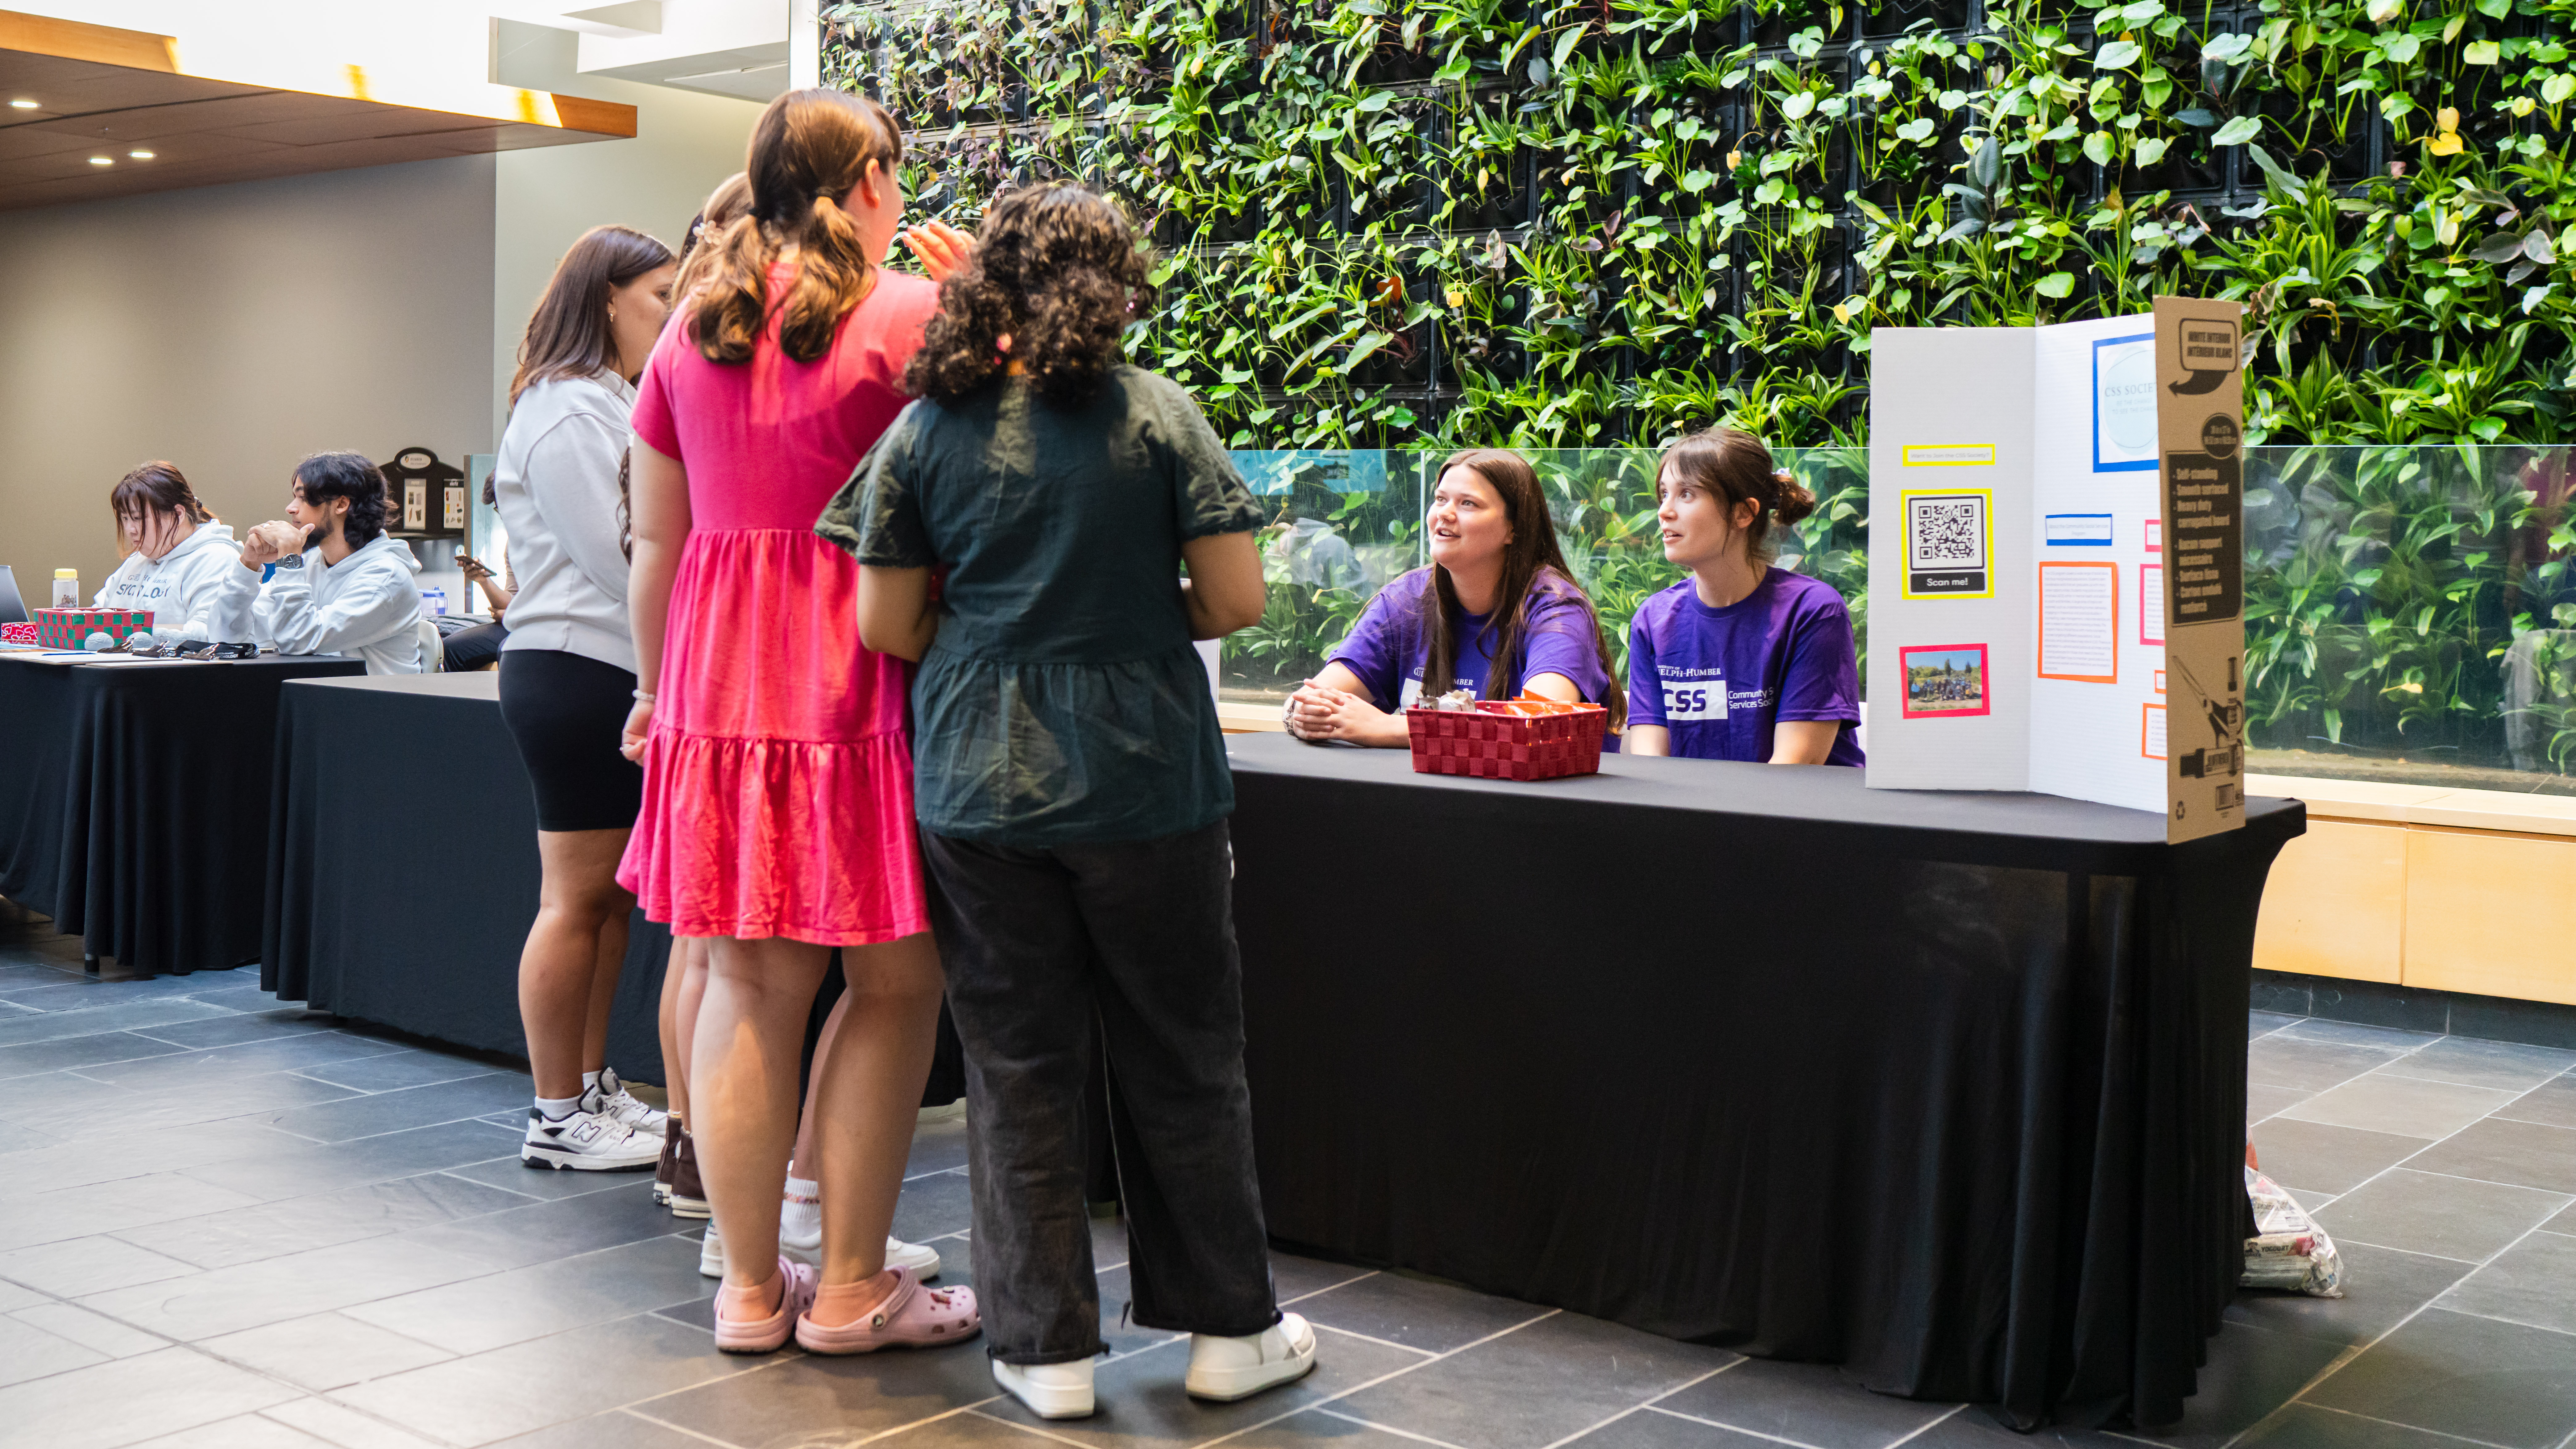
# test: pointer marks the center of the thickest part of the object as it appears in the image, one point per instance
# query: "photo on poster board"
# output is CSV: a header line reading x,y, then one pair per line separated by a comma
x,y
1944,681
2151,731
2124,404
2079,622
1949,544
2151,603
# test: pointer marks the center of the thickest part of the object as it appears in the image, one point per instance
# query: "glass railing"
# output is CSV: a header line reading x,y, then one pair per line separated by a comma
x,y
2409,611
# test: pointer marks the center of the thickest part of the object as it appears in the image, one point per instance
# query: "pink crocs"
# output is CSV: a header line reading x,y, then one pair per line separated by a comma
x,y
767,1335
911,1317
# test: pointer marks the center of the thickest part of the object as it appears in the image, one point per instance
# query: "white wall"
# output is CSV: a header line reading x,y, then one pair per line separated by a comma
x,y
685,142
233,329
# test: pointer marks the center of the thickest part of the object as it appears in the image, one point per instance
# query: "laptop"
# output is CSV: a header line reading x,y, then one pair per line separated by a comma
x,y
13,609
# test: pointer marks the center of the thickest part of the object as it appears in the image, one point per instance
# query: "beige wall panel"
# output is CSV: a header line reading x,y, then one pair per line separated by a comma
x,y
233,330
2491,914
2335,903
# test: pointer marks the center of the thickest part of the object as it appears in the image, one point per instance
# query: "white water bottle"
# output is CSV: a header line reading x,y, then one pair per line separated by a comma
x,y
66,588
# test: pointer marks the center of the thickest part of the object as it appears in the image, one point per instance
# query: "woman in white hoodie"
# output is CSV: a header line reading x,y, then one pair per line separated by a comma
x,y
181,557
568,681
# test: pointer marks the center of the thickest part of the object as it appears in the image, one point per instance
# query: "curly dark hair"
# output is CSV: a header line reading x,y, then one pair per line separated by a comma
x,y
325,476
1060,271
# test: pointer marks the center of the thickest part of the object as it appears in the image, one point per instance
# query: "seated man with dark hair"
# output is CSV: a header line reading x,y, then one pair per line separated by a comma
x,y
342,586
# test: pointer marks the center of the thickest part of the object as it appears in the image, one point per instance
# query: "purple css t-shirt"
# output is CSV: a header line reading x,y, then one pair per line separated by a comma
x,y
1720,678
1387,647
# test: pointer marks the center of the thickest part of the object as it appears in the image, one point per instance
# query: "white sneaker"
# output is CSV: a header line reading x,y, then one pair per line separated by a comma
x,y
587,1142
800,1236
1051,1390
626,1107
711,1253
1226,1369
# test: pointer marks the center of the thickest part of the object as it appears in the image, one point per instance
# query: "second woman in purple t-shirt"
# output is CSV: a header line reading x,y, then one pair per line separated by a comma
x,y
1742,660
1496,613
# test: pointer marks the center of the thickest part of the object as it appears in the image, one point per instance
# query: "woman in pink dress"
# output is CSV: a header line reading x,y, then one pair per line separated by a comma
x,y
778,811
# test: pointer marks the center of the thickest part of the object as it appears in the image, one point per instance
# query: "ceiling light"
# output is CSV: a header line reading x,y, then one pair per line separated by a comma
x,y
102,160
140,155
22,105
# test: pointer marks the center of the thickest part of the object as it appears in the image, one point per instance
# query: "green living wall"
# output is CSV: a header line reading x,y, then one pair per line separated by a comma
x,y
1583,228
1604,222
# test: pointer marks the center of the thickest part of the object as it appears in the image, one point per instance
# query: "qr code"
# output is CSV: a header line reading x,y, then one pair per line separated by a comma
x,y
1949,531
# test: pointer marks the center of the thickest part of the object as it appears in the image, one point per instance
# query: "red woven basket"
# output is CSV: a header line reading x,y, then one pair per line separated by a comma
x,y
1496,742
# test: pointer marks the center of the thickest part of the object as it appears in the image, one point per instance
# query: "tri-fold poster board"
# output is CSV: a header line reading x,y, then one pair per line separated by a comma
x,y
2056,561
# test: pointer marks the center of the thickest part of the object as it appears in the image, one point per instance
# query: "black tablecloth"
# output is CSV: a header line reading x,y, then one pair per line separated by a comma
x,y
363,922
134,802
1946,1088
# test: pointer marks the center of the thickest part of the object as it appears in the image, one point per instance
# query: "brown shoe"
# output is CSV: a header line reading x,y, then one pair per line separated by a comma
x,y
663,1170
688,1195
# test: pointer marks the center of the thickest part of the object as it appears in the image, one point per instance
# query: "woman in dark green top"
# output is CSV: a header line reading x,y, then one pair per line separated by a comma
x,y
1072,789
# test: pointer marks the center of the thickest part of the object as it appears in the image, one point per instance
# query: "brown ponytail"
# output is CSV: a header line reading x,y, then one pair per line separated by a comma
x,y
1735,466
808,150
157,487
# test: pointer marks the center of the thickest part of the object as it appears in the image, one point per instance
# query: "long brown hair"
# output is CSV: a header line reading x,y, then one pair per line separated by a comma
x,y
568,333
1734,465
808,150
1532,563
1057,269
730,199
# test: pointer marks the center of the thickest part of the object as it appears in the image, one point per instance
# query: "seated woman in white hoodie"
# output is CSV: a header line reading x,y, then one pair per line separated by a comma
x,y
342,586
181,557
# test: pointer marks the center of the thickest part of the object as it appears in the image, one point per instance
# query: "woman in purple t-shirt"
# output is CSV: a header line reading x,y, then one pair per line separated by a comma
x,y
1740,661
1497,590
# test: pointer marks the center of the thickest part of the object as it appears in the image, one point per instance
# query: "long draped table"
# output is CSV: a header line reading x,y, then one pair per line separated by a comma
x,y
1946,1088
134,802
363,922
354,927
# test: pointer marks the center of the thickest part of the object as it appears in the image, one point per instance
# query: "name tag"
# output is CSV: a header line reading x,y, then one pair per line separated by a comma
x,y
1698,700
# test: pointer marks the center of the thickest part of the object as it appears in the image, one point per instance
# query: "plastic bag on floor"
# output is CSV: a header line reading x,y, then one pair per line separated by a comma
x,y
2287,1251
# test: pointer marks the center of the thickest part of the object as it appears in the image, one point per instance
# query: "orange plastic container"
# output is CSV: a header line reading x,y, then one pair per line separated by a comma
x,y
1508,739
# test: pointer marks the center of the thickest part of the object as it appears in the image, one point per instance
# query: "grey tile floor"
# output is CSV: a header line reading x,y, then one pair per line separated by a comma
x,y
226,1224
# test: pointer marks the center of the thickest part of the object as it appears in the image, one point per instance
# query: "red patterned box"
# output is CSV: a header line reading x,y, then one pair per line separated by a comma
x,y
24,633
1508,739
71,628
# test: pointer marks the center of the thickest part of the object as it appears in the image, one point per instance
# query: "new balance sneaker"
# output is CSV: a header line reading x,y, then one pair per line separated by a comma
x,y
626,1107
1226,1369
688,1195
586,1142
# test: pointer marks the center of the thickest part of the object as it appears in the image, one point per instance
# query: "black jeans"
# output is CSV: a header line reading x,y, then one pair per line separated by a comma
x,y
1039,945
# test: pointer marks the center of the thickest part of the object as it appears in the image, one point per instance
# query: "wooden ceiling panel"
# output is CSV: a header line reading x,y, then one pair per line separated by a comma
x,y
73,87
357,121
148,123
18,141
106,92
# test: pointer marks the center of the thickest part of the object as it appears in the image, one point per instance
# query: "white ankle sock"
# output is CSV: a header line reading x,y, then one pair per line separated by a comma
x,y
589,1080
558,1108
804,1188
